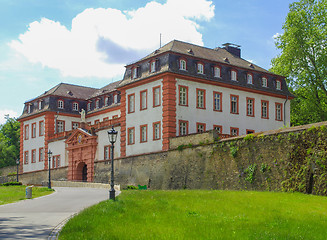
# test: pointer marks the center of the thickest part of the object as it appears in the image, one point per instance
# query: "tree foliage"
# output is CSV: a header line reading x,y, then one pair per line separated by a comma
x,y
303,59
9,142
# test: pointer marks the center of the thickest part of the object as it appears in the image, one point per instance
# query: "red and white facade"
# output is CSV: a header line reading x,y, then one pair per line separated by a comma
x,y
177,90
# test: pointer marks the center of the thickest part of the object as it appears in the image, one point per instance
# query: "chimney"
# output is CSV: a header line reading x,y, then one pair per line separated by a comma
x,y
233,49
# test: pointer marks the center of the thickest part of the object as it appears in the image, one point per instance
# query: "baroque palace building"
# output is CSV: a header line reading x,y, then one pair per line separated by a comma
x,y
176,90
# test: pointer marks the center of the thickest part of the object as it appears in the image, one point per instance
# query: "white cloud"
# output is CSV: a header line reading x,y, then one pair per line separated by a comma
x,y
101,41
4,112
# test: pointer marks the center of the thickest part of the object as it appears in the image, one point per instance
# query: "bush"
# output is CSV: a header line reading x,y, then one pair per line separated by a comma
x,y
12,184
131,187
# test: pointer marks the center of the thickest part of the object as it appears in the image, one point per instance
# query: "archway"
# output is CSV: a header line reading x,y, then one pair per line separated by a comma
x,y
84,173
81,172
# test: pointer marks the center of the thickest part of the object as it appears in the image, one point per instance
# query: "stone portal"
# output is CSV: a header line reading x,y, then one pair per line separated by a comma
x,y
81,147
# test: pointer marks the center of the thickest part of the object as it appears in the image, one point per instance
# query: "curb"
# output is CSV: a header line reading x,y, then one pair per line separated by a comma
x,y
54,235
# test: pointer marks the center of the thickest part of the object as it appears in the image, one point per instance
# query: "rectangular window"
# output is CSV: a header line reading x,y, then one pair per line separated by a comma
x,y
40,104
106,119
106,101
26,157
234,131
217,103
279,111
143,100
56,161
131,103
183,127
217,71
75,125
156,96
114,116
233,75
201,98
107,151
250,79
156,131
183,95
264,109
33,155
249,131
97,103
134,73
26,133
218,128
234,104
153,66
88,106
75,106
41,154
250,107
41,128
96,121
33,130
115,98
143,133
200,68
131,136
200,127
278,85
60,126
61,104
29,108
264,82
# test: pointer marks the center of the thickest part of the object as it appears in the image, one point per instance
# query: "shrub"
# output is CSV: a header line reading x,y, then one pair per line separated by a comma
x,y
131,187
12,184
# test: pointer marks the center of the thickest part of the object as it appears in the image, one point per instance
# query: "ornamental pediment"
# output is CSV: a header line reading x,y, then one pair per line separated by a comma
x,y
79,136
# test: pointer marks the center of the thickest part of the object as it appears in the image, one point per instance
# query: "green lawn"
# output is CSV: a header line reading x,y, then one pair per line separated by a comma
x,y
198,214
9,194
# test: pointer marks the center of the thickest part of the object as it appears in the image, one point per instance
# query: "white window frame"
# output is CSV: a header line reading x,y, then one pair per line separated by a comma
x,y
60,104
217,72
264,82
233,75
60,126
249,78
217,101
249,107
200,68
75,106
182,64
153,66
278,85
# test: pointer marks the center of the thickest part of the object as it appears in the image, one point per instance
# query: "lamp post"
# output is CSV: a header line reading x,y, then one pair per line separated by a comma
x,y
49,156
112,135
17,164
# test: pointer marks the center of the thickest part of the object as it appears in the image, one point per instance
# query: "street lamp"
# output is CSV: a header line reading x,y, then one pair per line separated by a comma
x,y
49,156
112,135
17,163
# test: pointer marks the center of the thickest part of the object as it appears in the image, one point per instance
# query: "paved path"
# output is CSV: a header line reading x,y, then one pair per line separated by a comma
x,y
35,218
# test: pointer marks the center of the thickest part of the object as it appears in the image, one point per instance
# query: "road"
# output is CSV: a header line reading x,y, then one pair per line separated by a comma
x,y
36,218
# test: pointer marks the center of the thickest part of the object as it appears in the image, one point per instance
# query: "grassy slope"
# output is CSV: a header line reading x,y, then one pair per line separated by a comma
x,y
9,194
202,215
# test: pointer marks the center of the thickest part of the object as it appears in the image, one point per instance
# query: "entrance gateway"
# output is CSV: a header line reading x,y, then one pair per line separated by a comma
x,y
81,147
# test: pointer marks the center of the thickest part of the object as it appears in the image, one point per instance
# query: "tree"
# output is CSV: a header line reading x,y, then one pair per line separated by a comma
x,y
9,142
303,60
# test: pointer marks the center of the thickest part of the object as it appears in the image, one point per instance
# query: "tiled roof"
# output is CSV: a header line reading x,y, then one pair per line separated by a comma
x,y
70,91
106,89
216,55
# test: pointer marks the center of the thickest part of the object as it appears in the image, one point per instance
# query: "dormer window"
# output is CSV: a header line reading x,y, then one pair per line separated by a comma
x,y
153,66
200,68
249,78
135,72
89,106
97,103
106,101
29,108
233,75
217,72
182,64
264,82
40,104
75,106
278,85
115,98
60,104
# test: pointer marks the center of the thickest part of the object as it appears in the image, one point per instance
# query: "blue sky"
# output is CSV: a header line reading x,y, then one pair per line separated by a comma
x,y
88,42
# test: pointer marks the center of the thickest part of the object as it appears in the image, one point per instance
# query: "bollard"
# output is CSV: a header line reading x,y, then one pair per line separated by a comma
x,y
28,192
